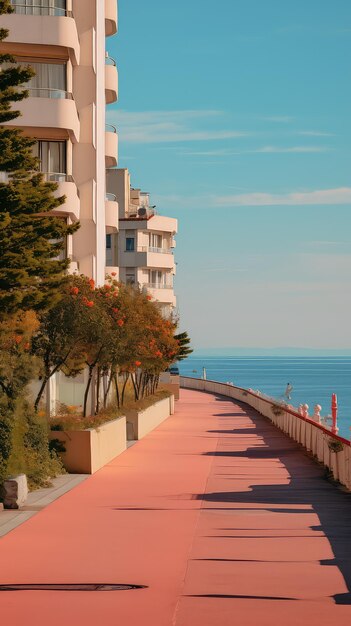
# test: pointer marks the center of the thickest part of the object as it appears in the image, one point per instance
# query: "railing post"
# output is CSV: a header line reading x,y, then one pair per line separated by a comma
x,y
334,409
305,408
317,413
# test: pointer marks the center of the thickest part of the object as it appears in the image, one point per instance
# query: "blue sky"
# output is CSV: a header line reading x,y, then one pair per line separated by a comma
x,y
235,117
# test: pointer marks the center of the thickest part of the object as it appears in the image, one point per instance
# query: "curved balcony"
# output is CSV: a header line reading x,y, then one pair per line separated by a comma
x,y
111,146
111,17
111,80
161,293
42,26
155,257
111,213
56,110
66,186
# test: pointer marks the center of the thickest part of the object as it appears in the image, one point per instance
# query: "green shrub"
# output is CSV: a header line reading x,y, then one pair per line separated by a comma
x,y
29,451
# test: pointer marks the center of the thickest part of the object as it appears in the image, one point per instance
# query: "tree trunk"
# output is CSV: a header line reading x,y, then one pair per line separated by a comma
x,y
41,391
90,376
98,382
135,387
124,388
115,379
108,388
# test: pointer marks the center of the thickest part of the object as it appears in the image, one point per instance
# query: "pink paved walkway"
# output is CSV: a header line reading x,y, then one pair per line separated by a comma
x,y
220,515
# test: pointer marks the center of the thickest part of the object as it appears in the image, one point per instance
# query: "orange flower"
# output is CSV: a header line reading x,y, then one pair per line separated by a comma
x,y
91,282
120,322
149,297
18,339
113,274
87,302
107,286
27,346
138,363
74,291
115,310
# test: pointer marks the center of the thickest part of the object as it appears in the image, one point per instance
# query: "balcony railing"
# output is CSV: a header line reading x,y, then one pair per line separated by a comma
x,y
58,177
110,60
158,286
39,9
48,92
156,250
111,197
109,128
52,177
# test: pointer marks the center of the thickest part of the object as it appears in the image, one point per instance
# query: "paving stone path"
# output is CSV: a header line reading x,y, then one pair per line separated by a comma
x,y
223,518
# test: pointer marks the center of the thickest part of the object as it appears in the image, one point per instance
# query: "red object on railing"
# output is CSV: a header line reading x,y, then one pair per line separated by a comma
x,y
334,409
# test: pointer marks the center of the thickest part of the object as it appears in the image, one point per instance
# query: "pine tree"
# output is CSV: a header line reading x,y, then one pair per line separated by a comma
x,y
31,238
184,351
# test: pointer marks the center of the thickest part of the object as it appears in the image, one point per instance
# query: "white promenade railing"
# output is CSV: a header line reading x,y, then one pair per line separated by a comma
x,y
327,448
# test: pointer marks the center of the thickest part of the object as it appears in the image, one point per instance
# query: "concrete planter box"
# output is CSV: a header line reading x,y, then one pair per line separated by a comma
x,y
140,423
89,450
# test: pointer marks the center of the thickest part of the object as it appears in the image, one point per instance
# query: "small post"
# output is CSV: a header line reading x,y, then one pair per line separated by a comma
x,y
334,409
305,408
317,413
301,409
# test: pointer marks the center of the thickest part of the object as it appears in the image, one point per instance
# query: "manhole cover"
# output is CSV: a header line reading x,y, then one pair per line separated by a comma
x,y
75,587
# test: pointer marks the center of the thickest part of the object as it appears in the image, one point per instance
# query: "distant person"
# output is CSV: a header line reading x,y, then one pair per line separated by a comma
x,y
288,390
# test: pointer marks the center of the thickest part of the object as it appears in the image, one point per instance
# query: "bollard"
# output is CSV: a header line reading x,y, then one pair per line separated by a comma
x,y
334,408
317,413
300,409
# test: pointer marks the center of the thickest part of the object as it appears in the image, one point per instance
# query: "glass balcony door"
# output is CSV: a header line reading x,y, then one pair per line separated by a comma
x,y
52,158
40,7
50,80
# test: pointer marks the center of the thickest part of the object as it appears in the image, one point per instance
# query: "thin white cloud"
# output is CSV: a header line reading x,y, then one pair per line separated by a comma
x,y
169,126
151,117
341,195
314,133
262,150
290,150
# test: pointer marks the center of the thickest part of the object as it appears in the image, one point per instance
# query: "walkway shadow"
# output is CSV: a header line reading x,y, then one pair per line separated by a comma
x,y
307,487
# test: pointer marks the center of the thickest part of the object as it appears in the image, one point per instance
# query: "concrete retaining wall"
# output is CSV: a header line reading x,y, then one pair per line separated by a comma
x,y
313,436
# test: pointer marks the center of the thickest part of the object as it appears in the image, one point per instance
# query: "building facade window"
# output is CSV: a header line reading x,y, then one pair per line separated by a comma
x,y
39,7
130,244
50,80
130,276
52,156
155,240
111,250
157,278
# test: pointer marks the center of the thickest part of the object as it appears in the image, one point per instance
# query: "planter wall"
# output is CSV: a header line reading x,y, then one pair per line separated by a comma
x,y
142,422
89,450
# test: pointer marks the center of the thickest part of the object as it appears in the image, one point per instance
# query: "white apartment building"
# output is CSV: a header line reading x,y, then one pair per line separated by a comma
x,y
143,248
64,40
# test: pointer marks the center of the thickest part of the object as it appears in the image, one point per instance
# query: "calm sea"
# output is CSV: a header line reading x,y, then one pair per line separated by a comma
x,y
314,379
